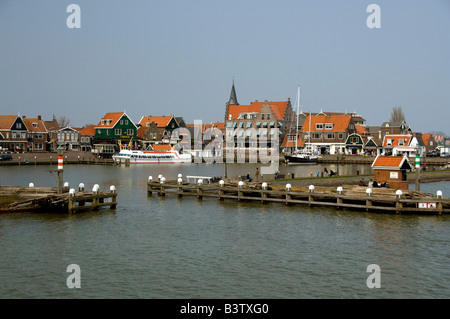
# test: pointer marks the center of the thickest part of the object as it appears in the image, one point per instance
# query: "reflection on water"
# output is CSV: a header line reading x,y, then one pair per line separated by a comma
x,y
156,247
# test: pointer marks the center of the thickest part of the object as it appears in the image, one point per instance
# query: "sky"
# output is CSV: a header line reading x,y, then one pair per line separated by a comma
x,y
164,57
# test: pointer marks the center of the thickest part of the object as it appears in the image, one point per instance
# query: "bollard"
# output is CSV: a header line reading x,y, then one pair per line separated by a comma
x,y
368,200
221,183
66,187
81,187
263,193
31,185
439,205
149,186
71,201
288,196
288,187
398,204
113,191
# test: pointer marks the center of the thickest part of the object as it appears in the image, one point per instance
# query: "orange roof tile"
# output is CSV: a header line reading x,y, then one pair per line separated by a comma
x,y
361,130
89,130
395,139
277,107
388,161
287,143
340,123
109,120
161,121
6,121
426,138
34,125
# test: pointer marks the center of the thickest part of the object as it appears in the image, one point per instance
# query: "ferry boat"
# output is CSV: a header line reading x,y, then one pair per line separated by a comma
x,y
151,156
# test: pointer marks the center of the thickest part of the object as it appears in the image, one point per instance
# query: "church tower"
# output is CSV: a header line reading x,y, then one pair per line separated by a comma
x,y
231,101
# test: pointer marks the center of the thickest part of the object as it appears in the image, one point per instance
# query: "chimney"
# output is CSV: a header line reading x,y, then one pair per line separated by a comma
x,y
24,116
39,118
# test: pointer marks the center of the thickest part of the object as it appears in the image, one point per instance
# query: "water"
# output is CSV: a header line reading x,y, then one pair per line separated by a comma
x,y
154,247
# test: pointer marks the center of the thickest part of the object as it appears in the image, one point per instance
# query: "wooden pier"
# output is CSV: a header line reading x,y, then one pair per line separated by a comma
x,y
345,197
46,199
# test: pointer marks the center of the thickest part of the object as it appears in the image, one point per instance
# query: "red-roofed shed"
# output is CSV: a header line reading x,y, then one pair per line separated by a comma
x,y
391,170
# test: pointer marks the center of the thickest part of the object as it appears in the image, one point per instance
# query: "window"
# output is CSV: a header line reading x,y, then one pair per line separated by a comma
x,y
341,136
316,135
229,117
401,142
249,124
389,141
319,126
121,122
130,131
329,135
262,116
118,131
329,126
354,140
103,122
19,125
268,117
35,125
292,138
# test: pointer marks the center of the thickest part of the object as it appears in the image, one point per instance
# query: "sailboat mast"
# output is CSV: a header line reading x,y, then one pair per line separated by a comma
x,y
298,110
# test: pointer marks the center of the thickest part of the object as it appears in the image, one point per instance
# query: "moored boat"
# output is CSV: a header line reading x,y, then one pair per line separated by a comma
x,y
151,156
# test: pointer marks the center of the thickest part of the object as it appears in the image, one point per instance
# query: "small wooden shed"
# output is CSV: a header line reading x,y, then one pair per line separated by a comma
x,y
391,170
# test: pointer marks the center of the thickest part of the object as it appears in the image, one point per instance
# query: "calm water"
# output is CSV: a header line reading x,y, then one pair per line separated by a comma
x,y
153,247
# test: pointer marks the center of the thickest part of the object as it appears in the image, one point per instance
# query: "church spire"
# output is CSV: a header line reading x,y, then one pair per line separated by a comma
x,y
233,98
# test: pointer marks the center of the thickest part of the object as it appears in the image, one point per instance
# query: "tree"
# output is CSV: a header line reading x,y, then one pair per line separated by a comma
x,y
63,121
397,114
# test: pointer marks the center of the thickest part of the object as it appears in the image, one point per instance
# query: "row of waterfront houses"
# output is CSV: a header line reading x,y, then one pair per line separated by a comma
x,y
322,133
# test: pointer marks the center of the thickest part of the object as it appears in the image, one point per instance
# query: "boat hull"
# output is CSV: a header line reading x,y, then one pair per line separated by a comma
x,y
292,159
151,157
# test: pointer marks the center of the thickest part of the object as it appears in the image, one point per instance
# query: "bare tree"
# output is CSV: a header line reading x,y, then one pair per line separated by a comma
x,y
397,114
63,121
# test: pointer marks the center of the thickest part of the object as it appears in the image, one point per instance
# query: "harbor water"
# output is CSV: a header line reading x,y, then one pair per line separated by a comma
x,y
166,247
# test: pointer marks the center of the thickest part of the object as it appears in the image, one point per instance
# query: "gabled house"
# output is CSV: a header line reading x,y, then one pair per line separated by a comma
x,y
327,134
52,128
87,137
114,128
37,134
399,144
160,129
13,133
69,138
291,143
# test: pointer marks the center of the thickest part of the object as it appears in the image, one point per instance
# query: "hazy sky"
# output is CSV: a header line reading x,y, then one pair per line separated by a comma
x,y
159,57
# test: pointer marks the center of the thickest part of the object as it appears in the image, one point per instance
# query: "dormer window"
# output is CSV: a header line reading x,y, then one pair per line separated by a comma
x,y
329,126
319,126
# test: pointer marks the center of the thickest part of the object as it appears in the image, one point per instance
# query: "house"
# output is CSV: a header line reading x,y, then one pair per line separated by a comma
x,y
207,140
327,134
160,129
37,134
391,170
115,128
399,144
13,133
245,124
291,143
87,137
52,128
69,138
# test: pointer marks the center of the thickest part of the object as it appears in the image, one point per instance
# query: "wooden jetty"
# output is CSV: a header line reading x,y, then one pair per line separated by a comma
x,y
344,197
47,199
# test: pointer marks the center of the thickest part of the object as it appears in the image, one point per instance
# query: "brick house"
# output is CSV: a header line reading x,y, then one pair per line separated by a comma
x,y
37,134
391,170
13,133
325,133
159,129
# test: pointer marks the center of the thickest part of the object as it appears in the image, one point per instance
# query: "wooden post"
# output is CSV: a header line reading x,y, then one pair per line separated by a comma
x,y
114,197
199,192
71,202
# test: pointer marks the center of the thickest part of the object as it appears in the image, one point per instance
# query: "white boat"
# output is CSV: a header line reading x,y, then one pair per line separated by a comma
x,y
301,156
151,156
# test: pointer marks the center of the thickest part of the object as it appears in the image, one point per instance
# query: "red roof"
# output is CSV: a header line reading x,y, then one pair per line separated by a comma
x,y
34,125
339,123
287,143
109,120
389,161
6,121
277,107
395,138
89,130
361,130
161,121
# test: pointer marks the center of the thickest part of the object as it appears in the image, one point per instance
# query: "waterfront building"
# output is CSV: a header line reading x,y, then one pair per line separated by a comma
x,y
69,138
86,138
159,129
37,139
52,128
114,129
13,133
400,144
391,170
327,134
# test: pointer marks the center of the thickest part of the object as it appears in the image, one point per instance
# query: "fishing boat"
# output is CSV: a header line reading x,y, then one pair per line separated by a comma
x,y
301,156
152,155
